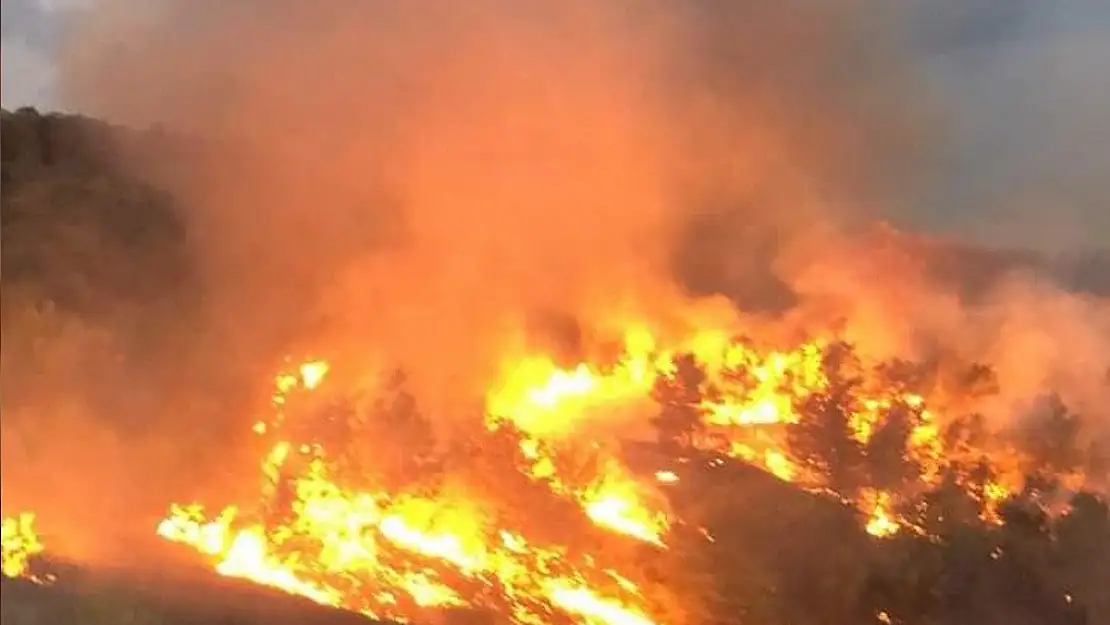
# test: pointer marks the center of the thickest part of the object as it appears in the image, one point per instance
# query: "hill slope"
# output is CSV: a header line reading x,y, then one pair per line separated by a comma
x,y
89,250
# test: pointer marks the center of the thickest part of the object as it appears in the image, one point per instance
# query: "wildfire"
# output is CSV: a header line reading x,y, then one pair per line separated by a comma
x,y
18,544
338,531
391,554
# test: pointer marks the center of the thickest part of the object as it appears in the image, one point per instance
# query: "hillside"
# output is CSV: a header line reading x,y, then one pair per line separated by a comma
x,y
97,262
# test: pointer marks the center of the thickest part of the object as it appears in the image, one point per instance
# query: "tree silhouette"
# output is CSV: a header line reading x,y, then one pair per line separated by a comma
x,y
824,439
1052,440
679,396
887,457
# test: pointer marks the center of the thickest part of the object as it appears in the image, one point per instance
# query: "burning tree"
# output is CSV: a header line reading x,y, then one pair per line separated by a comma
x,y
825,438
679,396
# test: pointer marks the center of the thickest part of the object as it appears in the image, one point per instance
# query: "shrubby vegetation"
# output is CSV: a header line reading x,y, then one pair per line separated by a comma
x,y
89,254
1043,557
782,555
92,255
77,230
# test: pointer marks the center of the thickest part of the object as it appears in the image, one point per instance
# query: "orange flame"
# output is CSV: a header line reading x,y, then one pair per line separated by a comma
x,y
19,544
390,553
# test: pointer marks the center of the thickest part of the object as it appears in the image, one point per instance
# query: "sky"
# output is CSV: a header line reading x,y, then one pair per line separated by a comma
x,y
1016,83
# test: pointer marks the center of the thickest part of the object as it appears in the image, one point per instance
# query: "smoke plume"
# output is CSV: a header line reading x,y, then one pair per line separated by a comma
x,y
435,182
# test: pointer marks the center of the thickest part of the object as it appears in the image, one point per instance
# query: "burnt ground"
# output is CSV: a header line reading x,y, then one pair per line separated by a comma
x,y
81,596
165,591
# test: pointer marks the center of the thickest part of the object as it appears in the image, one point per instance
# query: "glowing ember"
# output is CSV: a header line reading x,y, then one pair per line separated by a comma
x,y
881,522
666,477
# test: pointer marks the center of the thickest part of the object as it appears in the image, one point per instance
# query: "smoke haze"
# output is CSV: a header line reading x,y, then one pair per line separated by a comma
x,y
433,183
426,179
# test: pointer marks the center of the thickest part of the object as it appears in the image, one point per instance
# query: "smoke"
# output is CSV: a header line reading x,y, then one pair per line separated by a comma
x,y
1015,165
932,300
1017,83
444,187
90,443
433,183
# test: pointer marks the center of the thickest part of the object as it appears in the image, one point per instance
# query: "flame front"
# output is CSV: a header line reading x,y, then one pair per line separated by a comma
x,y
391,554
346,534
